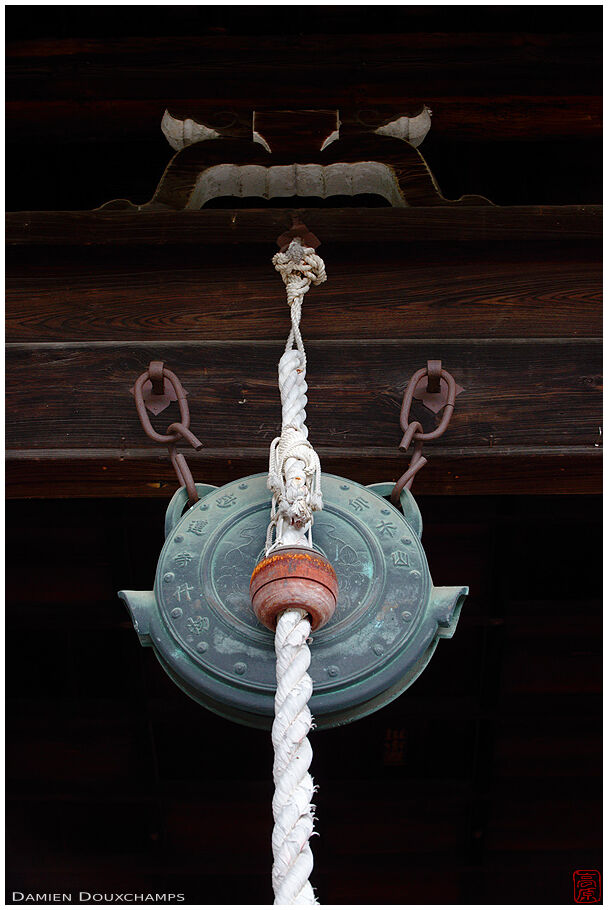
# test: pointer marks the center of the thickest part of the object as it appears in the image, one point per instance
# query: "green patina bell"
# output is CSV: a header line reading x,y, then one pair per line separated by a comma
x,y
388,619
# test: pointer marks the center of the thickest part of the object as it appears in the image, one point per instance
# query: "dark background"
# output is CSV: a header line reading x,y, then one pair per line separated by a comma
x,y
74,165
117,781
482,783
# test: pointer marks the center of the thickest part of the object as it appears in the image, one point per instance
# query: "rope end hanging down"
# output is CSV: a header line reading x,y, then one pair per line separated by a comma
x,y
294,787
293,591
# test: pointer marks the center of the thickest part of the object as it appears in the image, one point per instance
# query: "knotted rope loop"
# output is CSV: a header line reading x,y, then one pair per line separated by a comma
x,y
300,264
294,471
299,267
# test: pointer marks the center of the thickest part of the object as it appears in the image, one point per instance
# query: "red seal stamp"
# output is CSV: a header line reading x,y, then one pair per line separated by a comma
x,y
587,886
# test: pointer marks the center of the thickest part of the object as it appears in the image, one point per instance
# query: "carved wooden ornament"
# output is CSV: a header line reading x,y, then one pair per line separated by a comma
x,y
297,154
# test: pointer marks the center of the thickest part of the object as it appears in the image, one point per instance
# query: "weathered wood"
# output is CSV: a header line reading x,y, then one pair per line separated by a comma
x,y
517,392
503,274
146,473
78,23
367,47
102,293
372,67
471,224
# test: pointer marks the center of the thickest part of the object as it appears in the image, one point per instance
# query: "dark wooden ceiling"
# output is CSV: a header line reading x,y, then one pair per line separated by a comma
x,y
515,91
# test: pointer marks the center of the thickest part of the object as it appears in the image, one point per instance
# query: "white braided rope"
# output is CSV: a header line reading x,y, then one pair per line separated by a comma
x,y
294,476
294,471
291,805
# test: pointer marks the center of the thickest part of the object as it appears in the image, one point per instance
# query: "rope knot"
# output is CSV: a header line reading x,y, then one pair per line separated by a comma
x,y
295,497
294,470
299,267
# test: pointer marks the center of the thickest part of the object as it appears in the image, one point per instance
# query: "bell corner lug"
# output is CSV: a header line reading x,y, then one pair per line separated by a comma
x,y
179,501
409,506
446,604
140,605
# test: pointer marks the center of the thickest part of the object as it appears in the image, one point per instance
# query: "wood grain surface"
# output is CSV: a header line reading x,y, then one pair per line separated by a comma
x,y
511,305
146,473
517,392
363,68
375,290
71,403
505,225
509,297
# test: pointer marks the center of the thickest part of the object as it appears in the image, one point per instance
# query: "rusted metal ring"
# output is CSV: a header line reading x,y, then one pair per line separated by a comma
x,y
142,413
409,397
185,434
184,475
406,480
413,431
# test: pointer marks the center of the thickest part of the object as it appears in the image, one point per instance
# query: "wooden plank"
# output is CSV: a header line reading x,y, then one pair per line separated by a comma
x,y
146,473
373,67
417,225
556,753
521,396
518,392
368,46
569,660
105,293
79,23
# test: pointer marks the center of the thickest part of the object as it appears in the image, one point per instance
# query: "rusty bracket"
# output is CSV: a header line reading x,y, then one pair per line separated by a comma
x,y
431,391
433,381
157,392
298,229
162,382
425,384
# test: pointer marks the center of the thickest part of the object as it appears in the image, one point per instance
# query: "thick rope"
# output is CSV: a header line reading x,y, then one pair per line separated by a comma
x,y
294,476
294,472
291,805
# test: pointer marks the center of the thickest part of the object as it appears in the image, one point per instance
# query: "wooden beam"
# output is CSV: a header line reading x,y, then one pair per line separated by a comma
x,y
418,225
518,391
340,68
146,473
70,399
122,293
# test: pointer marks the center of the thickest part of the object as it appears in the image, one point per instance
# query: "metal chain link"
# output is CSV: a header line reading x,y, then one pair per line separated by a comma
x,y
413,432
157,373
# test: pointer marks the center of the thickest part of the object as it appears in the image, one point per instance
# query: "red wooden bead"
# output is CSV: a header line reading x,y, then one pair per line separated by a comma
x,y
294,577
